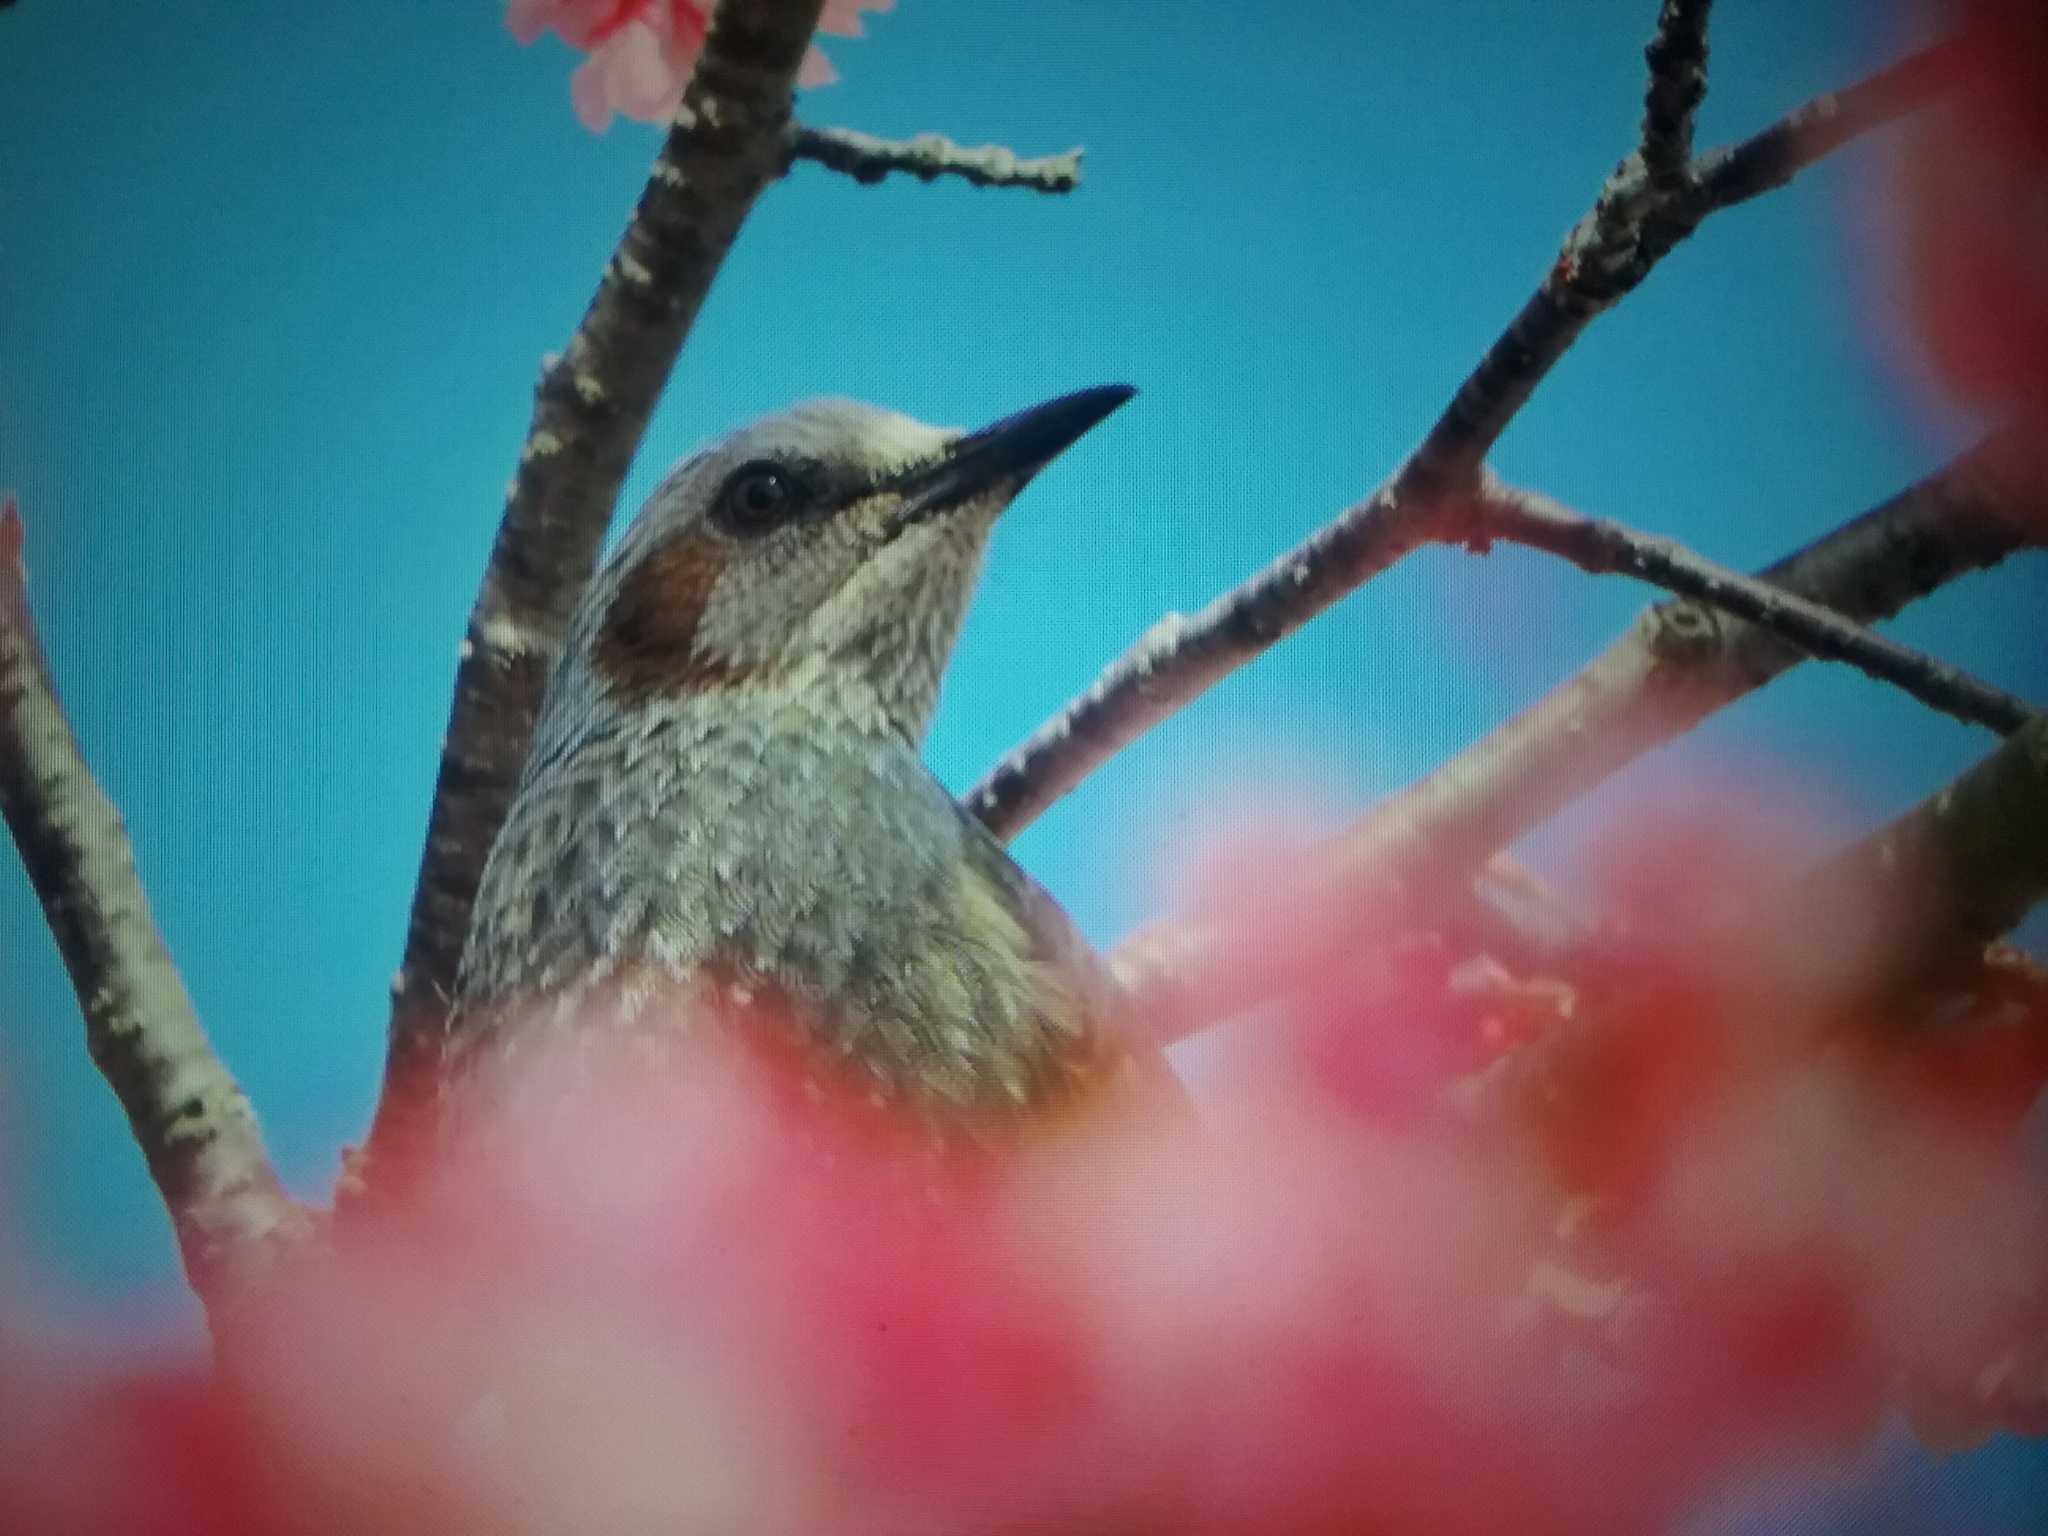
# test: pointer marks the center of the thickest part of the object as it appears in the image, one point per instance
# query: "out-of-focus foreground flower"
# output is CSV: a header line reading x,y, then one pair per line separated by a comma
x,y
1971,184
1449,1248
642,51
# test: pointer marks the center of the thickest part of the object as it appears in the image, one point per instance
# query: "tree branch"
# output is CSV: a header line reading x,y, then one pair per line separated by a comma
x,y
1612,249
1600,546
195,1127
1814,130
1678,663
1954,873
1180,658
1683,660
929,156
1635,223
1677,57
590,411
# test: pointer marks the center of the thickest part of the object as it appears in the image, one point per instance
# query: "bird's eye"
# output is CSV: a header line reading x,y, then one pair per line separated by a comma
x,y
757,498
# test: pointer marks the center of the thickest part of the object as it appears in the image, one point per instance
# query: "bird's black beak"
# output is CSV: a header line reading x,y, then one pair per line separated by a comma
x,y
1006,454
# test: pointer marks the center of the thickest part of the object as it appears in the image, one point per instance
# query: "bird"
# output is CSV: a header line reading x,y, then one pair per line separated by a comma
x,y
725,800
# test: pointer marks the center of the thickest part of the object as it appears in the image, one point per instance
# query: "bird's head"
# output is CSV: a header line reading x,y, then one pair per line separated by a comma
x,y
831,547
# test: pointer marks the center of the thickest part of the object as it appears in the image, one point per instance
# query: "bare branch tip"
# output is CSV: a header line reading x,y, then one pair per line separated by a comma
x,y
928,156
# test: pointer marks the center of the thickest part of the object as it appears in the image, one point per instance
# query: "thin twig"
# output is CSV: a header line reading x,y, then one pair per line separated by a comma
x,y
590,412
929,156
1682,660
1416,852
1601,546
195,1127
1611,251
1179,658
1768,160
1633,226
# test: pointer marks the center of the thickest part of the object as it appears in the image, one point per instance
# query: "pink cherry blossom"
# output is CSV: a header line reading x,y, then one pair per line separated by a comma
x,y
1447,1249
641,52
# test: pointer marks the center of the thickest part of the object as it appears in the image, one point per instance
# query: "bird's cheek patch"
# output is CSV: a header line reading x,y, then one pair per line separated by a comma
x,y
648,644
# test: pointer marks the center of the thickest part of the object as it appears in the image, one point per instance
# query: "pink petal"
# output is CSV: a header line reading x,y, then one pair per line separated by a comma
x,y
688,20
590,95
581,23
642,51
644,74
842,17
527,19
817,70
631,72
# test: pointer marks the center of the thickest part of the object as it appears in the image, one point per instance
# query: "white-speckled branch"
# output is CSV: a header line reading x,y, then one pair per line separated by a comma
x,y
1639,215
590,412
1600,546
195,1127
1678,663
928,156
1683,659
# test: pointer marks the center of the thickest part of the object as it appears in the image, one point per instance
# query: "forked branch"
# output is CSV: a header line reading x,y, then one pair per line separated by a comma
x,y
1684,659
1632,225
732,136
1600,546
1417,851
590,412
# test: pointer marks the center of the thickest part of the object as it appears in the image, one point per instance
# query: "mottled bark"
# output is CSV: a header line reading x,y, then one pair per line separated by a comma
x,y
1677,58
590,412
192,1122
1599,546
929,156
1952,874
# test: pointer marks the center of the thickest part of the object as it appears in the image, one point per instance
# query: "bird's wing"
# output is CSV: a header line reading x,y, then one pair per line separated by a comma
x,y
1077,985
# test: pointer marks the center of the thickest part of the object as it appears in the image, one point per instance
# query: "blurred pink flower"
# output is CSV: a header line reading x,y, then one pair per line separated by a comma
x,y
1967,202
1449,1250
642,51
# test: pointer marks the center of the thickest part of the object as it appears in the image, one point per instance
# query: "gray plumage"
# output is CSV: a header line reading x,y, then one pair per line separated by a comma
x,y
725,788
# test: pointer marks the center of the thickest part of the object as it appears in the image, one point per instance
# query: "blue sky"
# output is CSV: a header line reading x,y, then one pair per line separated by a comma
x,y
275,283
